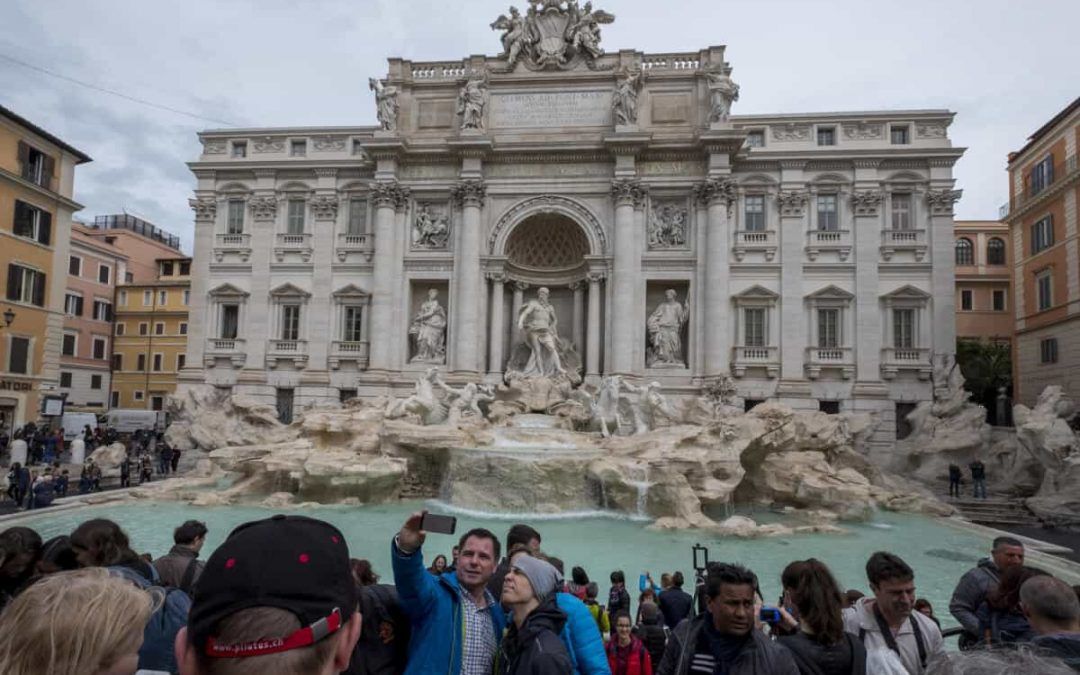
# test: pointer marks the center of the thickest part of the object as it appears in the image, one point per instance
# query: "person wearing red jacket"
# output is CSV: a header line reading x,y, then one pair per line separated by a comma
x,y
626,654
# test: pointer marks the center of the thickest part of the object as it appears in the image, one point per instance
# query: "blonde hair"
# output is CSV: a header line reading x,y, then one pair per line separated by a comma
x,y
72,623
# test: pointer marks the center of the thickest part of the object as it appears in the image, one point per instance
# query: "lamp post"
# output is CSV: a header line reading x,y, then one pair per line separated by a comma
x,y
9,317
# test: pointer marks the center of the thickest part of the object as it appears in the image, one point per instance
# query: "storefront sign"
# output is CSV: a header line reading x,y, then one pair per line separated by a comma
x,y
15,385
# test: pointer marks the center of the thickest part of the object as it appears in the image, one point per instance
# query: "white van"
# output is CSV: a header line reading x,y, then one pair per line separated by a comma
x,y
73,424
130,421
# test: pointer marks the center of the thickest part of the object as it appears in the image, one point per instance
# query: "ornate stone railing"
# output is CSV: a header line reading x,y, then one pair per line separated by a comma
x,y
230,348
828,240
348,242
685,61
349,351
294,350
818,358
896,359
293,243
755,357
903,240
449,70
232,243
755,240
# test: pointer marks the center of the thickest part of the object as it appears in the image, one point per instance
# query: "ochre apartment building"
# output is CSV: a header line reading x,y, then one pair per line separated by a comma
x,y
983,271
1044,182
37,177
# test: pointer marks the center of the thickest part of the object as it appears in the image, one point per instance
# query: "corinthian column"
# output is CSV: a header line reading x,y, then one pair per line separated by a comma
x,y
495,339
387,197
628,195
592,351
469,195
718,195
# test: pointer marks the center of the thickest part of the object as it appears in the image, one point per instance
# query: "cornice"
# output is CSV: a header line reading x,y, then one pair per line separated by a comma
x,y
40,191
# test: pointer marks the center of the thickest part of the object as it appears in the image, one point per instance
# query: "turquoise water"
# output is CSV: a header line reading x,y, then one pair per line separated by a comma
x,y
938,553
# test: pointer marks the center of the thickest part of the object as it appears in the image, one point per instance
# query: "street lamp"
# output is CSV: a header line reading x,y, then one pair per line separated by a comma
x,y
9,317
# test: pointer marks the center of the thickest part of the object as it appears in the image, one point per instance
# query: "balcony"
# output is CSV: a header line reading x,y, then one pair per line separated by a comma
x,y
233,349
755,240
363,244
1034,190
294,244
343,352
820,358
239,244
912,359
286,350
818,241
903,240
755,357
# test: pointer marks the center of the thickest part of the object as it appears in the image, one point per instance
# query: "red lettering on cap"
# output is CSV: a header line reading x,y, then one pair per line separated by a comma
x,y
334,539
230,563
304,558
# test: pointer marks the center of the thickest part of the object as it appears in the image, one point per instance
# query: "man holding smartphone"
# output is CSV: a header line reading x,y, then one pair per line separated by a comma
x,y
456,622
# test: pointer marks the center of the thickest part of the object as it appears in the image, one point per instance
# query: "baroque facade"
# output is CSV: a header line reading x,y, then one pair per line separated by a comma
x,y
806,256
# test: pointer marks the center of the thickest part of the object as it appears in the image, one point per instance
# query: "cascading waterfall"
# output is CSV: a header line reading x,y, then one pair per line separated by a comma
x,y
639,479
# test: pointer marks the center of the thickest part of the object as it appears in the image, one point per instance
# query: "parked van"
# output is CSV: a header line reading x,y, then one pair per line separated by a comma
x,y
130,421
73,424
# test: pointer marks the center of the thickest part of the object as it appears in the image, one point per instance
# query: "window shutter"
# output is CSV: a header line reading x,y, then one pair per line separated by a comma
x,y
24,158
14,283
45,228
1049,169
48,166
23,213
108,313
79,307
39,289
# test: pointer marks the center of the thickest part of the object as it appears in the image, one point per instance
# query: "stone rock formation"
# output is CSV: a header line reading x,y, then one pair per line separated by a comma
x,y
206,418
1045,433
109,458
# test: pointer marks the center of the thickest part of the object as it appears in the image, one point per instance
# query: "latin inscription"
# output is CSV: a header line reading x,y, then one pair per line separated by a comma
x,y
553,170
551,109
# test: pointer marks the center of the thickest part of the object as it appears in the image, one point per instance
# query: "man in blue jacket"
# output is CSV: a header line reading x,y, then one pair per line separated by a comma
x,y
456,622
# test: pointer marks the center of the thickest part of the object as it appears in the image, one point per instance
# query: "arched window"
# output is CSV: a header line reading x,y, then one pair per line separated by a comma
x,y
965,252
995,251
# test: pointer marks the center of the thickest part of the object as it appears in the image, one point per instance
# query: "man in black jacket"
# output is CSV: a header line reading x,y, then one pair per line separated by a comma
x,y
675,603
532,645
519,534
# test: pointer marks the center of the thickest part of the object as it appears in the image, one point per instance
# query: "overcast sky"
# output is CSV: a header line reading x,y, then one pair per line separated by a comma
x,y
1004,66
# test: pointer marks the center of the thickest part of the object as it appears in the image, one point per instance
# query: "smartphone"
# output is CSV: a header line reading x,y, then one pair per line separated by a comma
x,y
770,615
438,524
701,557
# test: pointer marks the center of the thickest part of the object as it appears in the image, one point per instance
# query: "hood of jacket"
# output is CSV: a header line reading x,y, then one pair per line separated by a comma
x,y
1062,645
988,564
546,617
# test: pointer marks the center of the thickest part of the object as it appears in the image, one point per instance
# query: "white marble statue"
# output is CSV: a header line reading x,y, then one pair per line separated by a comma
x,y
386,104
583,30
428,400
649,406
430,230
540,327
514,38
722,93
665,327
667,226
471,101
429,331
624,102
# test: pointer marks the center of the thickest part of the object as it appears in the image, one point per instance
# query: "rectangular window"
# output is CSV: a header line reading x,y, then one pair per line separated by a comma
x,y
755,213
828,328
147,298
104,273
290,322
755,139
157,402
121,328
187,298
65,380
68,344
114,399
140,363
901,211
73,304
357,216
1042,175
234,223
183,328
37,167
826,136
829,407
1042,234
158,359
32,223
904,328
239,149
754,333
230,321
144,328
166,268
295,222
122,298
1044,290
100,345
1048,350
159,328
966,300
95,382
185,268
19,356
129,277
25,285
827,216
102,310
351,332
163,298
898,135
346,394
138,395
297,148
181,361
75,266
117,362
999,301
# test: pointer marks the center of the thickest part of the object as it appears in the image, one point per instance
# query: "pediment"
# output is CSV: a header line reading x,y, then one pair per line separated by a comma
x,y
351,291
831,292
228,290
289,290
907,292
757,292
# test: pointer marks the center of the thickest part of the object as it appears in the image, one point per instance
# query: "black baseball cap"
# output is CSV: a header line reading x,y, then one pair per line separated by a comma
x,y
297,564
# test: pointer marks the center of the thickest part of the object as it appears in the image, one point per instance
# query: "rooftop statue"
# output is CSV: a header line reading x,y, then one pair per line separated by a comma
x,y
471,102
386,103
722,93
552,34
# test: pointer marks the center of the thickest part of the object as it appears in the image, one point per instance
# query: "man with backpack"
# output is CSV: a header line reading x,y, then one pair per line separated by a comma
x,y
181,567
675,603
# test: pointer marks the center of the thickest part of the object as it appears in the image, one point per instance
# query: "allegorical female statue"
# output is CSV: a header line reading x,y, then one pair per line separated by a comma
x,y
665,332
429,331
386,104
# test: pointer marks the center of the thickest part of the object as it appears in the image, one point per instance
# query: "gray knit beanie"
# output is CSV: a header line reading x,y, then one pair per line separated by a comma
x,y
542,575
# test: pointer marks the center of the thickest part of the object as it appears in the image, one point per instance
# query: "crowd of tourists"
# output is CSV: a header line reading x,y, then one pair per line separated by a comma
x,y
283,596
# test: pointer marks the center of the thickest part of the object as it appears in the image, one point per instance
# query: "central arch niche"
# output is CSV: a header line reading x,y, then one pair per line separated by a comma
x,y
551,246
